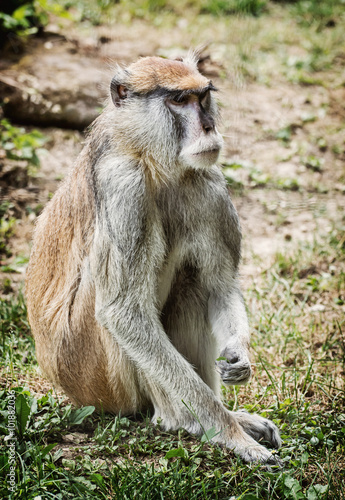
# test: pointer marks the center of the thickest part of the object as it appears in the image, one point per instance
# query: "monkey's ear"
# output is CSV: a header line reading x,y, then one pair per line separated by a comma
x,y
118,92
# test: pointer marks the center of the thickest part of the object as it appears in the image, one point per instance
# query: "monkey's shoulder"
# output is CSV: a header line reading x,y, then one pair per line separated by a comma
x,y
198,203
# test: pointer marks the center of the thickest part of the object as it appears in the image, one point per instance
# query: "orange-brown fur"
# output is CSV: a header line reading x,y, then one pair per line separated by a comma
x,y
79,355
151,72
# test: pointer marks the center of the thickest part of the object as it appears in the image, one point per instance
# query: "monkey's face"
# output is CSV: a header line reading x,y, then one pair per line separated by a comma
x,y
194,116
166,113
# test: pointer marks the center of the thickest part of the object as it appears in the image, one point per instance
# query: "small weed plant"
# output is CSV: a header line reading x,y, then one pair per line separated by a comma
x,y
19,144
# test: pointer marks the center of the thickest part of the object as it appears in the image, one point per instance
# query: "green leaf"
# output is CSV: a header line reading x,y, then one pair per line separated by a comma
x,y
284,134
177,452
9,22
209,435
47,449
21,14
85,483
97,478
57,455
77,416
316,492
68,463
23,413
294,487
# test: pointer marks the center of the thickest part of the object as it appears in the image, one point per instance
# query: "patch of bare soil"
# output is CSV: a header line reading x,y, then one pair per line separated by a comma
x,y
37,385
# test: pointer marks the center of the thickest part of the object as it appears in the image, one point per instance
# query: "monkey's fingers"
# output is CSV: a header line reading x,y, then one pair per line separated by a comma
x,y
236,372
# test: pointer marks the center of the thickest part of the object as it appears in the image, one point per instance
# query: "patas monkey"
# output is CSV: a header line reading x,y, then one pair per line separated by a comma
x,y
132,285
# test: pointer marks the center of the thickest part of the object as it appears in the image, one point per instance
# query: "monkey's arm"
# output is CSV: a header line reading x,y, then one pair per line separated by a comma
x,y
226,309
230,325
179,396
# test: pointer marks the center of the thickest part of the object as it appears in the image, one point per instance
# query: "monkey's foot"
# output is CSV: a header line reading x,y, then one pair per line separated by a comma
x,y
252,452
258,428
172,423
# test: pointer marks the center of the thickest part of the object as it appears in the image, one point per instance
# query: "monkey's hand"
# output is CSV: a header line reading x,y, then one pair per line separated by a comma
x,y
259,428
233,366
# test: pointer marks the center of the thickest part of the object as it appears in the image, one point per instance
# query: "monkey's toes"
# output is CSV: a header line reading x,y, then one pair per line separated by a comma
x,y
274,461
259,428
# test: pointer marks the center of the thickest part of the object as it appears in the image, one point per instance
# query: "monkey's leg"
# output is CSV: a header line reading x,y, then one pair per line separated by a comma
x,y
186,322
82,358
179,396
230,325
95,372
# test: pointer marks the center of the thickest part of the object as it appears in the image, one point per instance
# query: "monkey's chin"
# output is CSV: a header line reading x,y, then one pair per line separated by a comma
x,y
202,159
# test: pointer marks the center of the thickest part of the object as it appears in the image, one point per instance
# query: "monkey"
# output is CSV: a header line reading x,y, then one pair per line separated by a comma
x,y
132,286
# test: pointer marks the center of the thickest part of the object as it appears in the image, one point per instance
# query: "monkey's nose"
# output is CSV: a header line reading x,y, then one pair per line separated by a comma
x,y
207,123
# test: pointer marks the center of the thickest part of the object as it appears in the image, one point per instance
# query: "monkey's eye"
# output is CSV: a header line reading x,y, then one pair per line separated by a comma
x,y
179,99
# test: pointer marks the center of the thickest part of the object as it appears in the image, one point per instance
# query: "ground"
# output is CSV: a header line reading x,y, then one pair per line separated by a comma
x,y
281,96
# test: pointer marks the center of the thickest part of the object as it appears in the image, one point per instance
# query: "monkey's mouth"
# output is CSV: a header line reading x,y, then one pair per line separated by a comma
x,y
201,155
207,152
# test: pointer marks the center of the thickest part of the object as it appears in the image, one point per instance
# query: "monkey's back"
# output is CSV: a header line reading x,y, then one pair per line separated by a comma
x,y
61,238
73,350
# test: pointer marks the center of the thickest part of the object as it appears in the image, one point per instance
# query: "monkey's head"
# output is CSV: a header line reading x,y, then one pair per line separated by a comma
x,y
166,111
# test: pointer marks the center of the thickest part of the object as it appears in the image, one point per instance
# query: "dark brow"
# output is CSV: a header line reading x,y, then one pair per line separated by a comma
x,y
198,92
180,94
